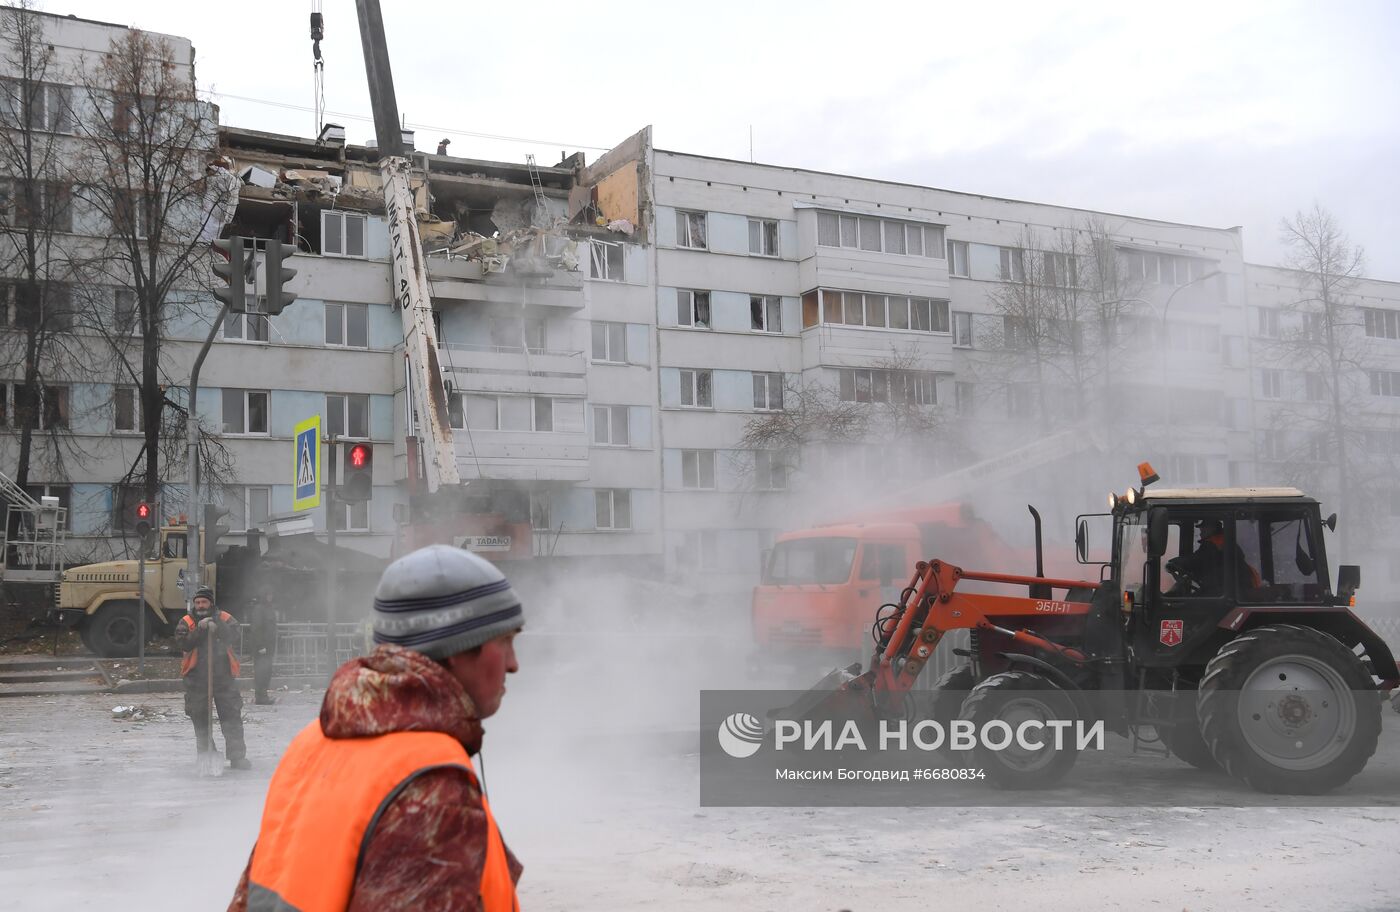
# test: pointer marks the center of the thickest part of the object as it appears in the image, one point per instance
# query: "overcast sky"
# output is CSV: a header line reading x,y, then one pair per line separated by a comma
x,y
1220,114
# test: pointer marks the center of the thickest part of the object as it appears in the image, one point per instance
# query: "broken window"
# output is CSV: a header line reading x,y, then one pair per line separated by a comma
x,y
766,313
44,404
690,229
343,233
126,404
698,469
539,511
693,308
612,508
763,237
695,388
606,259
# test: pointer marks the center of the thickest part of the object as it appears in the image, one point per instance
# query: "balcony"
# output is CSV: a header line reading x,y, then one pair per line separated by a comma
x,y
497,280
507,369
522,455
831,345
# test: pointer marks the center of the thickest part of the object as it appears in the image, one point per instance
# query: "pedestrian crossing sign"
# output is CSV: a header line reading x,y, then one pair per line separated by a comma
x,y
306,468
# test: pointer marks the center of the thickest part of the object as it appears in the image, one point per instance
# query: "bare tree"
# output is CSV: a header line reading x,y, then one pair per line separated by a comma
x,y
146,175
1326,341
36,340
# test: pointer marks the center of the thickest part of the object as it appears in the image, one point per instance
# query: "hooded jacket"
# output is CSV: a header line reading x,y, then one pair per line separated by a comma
x,y
428,848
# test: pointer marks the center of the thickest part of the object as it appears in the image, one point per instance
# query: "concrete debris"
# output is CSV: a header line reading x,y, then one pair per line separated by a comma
x,y
258,177
136,713
622,226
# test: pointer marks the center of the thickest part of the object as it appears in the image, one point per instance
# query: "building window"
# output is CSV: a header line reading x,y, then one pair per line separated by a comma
x,y
47,404
695,388
49,108
247,327
1271,445
352,517
965,395
957,259
473,412
1385,383
1270,383
853,308
1315,387
347,325
763,237
540,512
693,308
343,234
253,510
610,425
245,411
698,470
347,415
543,413
766,313
1189,469
879,235
690,230
1013,264
126,406
768,392
770,470
962,329
1382,324
900,387
1061,269
699,550
612,508
605,261
610,342
125,318
1268,323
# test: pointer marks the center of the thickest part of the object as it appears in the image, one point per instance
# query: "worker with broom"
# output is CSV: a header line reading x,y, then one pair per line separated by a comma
x,y
377,805
210,673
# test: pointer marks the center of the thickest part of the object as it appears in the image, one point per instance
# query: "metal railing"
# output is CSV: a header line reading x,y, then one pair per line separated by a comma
x,y
301,648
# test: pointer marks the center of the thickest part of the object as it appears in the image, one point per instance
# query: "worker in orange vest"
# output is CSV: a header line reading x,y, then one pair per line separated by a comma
x,y
376,805
192,633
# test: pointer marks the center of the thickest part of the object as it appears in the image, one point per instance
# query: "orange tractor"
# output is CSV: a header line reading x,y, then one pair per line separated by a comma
x,y
1237,652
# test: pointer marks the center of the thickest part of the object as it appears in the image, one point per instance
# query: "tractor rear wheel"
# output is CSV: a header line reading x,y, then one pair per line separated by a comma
x,y
1017,697
1289,710
1185,742
113,631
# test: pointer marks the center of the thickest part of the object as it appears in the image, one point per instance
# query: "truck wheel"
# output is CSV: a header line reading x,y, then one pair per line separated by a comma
x,y
1015,697
112,631
1289,710
949,692
1185,742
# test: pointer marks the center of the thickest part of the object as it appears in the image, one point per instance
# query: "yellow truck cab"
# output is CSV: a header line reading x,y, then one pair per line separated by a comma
x,y
101,600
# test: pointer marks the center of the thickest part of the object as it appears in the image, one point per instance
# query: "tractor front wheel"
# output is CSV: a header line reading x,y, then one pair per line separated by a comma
x,y
948,695
1016,698
1289,710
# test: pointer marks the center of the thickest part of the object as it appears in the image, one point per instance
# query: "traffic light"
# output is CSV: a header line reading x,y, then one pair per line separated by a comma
x,y
359,472
143,520
276,275
214,527
238,272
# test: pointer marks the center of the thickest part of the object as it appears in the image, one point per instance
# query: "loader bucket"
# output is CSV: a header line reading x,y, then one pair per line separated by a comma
x,y
842,694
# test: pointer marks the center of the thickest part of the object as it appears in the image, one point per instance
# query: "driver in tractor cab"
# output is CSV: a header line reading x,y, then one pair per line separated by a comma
x,y
1205,568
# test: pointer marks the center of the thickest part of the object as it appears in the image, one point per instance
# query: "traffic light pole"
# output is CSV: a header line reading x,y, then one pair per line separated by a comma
x,y
331,573
193,551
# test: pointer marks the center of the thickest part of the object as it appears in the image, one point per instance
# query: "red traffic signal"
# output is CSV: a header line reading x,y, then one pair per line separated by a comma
x,y
143,519
143,510
359,473
359,455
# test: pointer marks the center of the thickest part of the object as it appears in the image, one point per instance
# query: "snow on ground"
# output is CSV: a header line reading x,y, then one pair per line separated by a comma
x,y
596,789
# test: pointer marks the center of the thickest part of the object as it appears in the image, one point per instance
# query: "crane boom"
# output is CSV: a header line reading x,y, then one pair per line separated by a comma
x,y
411,293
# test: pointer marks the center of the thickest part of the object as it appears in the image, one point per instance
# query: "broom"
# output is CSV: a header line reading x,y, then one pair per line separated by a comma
x,y
211,762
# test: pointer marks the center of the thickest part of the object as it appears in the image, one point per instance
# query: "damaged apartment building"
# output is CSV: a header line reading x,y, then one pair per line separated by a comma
x,y
550,409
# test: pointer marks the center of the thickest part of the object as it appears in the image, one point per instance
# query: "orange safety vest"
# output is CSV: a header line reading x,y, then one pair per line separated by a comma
x,y
192,658
322,804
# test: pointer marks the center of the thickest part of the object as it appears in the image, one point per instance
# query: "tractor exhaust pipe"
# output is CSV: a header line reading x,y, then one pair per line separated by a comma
x,y
1038,590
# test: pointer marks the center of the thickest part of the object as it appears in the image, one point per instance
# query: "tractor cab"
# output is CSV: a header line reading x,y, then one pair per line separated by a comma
x,y
1191,562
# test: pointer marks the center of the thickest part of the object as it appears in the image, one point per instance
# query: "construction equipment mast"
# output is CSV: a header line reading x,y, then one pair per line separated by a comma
x,y
411,294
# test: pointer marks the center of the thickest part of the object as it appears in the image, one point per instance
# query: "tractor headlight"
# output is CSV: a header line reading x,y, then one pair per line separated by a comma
x,y
1132,496
1112,500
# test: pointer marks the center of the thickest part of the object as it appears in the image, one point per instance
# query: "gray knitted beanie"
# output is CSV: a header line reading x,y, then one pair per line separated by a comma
x,y
441,600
